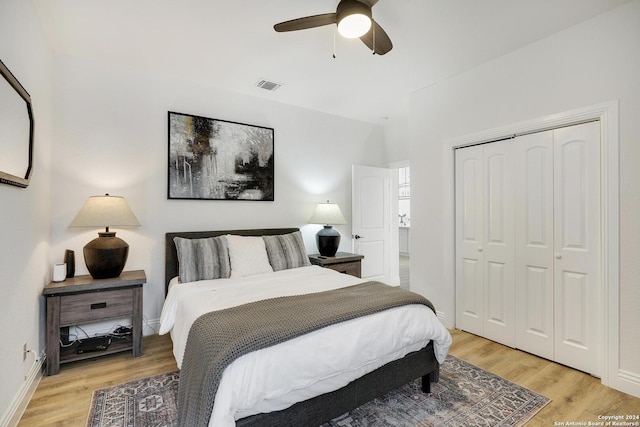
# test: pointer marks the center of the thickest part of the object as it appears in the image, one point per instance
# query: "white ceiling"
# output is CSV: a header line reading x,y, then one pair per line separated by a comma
x,y
231,43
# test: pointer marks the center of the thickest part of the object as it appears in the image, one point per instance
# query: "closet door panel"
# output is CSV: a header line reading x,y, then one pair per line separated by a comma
x,y
499,251
574,300
534,243
534,308
469,238
497,306
577,246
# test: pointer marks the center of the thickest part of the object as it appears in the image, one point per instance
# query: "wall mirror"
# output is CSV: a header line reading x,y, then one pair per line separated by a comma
x,y
16,131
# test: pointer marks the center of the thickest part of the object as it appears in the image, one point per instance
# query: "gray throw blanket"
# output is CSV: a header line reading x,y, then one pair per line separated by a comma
x,y
218,338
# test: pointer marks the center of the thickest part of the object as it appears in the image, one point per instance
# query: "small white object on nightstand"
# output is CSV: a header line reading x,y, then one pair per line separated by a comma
x,y
59,272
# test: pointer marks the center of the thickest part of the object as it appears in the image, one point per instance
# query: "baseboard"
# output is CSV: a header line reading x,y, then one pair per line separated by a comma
x,y
628,382
150,327
11,418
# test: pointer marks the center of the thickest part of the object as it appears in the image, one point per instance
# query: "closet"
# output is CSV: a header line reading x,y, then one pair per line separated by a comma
x,y
528,243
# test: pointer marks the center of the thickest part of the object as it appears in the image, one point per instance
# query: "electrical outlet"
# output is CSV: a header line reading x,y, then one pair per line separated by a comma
x,y
24,352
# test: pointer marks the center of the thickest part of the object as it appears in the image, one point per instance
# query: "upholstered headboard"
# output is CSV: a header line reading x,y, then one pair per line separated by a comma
x,y
171,254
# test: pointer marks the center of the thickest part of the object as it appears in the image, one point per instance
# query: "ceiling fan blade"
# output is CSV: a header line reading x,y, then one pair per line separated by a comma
x,y
306,22
383,42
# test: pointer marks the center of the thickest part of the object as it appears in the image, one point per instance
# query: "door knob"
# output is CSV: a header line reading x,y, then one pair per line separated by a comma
x,y
557,255
357,236
479,249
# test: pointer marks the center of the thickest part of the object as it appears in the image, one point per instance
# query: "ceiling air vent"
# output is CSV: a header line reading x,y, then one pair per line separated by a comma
x,y
268,85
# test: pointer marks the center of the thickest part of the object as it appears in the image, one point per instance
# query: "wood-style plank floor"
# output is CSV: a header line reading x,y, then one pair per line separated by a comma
x,y
576,396
64,399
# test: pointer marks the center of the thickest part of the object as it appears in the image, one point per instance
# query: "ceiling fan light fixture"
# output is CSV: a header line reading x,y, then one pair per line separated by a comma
x,y
354,26
354,18
359,11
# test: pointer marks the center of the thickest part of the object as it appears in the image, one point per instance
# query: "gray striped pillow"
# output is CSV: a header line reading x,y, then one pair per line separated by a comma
x,y
286,251
202,259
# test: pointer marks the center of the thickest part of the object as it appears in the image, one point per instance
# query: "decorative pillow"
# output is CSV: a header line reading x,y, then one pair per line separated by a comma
x,y
286,251
248,255
202,259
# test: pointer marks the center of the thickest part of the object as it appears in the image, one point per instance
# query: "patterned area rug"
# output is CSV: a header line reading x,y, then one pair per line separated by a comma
x,y
465,396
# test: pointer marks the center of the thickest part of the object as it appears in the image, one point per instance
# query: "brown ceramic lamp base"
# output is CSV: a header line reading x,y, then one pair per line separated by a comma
x,y
106,255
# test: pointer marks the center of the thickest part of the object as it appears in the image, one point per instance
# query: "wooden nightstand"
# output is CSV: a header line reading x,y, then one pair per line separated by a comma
x,y
83,299
343,262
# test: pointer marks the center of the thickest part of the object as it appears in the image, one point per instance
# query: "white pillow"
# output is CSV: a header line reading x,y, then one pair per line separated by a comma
x,y
248,255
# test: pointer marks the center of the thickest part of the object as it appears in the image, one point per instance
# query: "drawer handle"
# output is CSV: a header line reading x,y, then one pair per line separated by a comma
x,y
98,305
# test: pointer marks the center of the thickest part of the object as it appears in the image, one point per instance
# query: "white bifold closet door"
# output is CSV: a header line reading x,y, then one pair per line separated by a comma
x,y
528,243
485,241
535,243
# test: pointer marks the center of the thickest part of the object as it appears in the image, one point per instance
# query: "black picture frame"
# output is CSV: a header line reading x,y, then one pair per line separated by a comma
x,y
213,159
16,161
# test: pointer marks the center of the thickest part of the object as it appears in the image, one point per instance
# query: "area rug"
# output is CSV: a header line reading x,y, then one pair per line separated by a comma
x,y
465,396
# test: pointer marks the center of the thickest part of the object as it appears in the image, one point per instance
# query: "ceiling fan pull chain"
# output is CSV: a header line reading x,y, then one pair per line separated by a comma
x,y
374,39
373,33
334,42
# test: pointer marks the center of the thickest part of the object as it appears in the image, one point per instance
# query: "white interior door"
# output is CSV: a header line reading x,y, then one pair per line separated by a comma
x,y
577,246
485,241
371,220
469,240
499,249
534,244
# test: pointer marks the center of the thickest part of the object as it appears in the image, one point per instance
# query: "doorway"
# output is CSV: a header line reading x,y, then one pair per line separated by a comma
x,y
404,225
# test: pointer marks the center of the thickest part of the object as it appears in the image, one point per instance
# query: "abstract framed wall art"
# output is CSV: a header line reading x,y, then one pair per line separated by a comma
x,y
211,159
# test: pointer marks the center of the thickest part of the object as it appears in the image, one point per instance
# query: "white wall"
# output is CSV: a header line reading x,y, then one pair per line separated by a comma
x,y
397,138
591,63
24,213
111,136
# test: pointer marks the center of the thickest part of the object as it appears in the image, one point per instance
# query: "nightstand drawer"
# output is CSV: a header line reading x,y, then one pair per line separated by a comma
x,y
342,262
352,268
95,306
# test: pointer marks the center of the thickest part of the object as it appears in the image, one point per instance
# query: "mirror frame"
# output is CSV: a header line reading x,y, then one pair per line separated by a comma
x,y
7,178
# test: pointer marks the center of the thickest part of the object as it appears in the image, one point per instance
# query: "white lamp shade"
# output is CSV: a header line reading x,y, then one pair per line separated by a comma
x,y
105,211
327,213
355,25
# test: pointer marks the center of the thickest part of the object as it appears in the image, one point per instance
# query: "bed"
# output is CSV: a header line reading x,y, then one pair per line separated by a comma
x,y
325,398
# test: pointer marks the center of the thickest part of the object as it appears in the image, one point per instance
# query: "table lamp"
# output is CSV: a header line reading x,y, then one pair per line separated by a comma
x,y
328,238
106,255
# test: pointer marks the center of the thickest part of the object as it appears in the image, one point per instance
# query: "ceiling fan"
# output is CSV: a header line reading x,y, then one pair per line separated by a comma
x,y
353,18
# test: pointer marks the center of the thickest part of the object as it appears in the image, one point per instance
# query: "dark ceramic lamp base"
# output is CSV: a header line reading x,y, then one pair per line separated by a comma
x,y
328,240
106,256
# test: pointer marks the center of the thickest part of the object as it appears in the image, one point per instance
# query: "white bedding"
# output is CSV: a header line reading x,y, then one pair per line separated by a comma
x,y
322,361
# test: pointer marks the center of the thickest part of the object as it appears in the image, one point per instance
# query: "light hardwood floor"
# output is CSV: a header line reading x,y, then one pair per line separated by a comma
x,y
63,399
